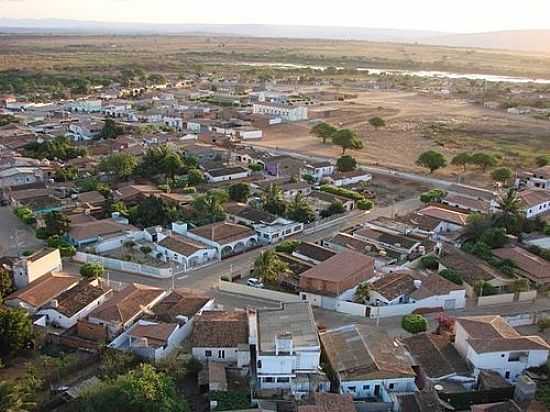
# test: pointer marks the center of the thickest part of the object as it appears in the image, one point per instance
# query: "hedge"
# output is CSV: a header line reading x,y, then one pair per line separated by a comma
x,y
430,262
340,191
452,276
365,204
414,323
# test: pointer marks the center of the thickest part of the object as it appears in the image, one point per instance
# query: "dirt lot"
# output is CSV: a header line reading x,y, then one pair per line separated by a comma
x,y
416,123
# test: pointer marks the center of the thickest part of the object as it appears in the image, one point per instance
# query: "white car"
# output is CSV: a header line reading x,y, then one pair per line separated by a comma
x,y
255,283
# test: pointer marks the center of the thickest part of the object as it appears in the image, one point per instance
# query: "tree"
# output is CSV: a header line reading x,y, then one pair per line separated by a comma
x,y
141,390
209,207
171,164
195,177
299,210
6,284
494,237
268,267
414,323
365,204
323,131
15,398
239,192
56,223
120,165
477,224
273,200
287,246
335,208
110,129
452,276
377,122
308,178
362,293
484,160
347,139
502,175
462,159
92,271
430,262
431,160
509,214
346,164
152,211
433,196
15,331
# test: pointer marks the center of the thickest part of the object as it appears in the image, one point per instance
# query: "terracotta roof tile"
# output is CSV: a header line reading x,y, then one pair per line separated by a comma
x,y
223,232
220,329
44,289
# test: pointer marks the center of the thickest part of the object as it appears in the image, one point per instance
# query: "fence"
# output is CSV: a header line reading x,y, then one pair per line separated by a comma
x,y
257,292
124,266
495,299
392,310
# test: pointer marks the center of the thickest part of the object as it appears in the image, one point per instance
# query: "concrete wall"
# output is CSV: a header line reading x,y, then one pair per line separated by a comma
x,y
495,299
527,296
257,292
124,266
28,271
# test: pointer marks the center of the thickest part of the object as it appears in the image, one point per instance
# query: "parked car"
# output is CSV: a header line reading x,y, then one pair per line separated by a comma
x,y
255,283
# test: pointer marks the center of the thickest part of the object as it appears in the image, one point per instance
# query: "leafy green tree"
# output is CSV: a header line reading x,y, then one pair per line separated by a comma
x,y
462,159
268,267
452,276
483,288
209,207
56,223
335,208
120,165
110,129
477,224
323,131
509,211
502,174
365,204
152,211
171,164
377,122
431,160
347,139
414,323
484,160
239,192
92,271
59,148
346,164
195,177
299,210
273,200
308,178
430,262
14,398
495,237
15,331
362,293
287,246
6,284
433,196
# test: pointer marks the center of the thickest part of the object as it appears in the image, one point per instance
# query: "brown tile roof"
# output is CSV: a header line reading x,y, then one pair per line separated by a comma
x,y
250,213
393,285
220,329
181,245
329,402
104,227
492,333
77,298
451,216
223,232
80,218
467,202
537,268
360,352
342,266
315,252
468,266
387,238
424,222
180,302
534,197
543,171
27,194
127,303
350,242
435,285
129,191
44,289
91,197
156,334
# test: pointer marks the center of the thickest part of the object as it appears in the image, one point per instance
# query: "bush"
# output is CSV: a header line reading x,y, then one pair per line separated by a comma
x,y
41,233
287,246
145,250
365,204
494,237
430,262
92,270
452,276
433,196
25,215
349,194
189,190
65,248
229,401
256,167
414,323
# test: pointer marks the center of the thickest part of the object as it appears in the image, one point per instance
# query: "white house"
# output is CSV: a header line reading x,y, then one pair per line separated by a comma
x,y
489,342
84,130
319,170
249,133
288,350
173,121
350,178
74,304
188,253
285,112
228,238
540,178
226,173
84,106
29,268
367,363
535,202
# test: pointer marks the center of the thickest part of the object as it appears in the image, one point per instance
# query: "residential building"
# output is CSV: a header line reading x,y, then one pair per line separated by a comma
x,y
133,194
222,336
367,363
350,178
454,220
528,265
490,343
284,166
105,234
405,246
467,203
320,170
74,304
189,254
29,268
288,350
226,173
285,112
540,178
227,238
19,171
329,402
84,106
320,201
534,202
312,253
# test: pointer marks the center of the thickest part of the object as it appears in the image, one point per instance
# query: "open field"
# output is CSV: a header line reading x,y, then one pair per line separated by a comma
x,y
417,123
172,53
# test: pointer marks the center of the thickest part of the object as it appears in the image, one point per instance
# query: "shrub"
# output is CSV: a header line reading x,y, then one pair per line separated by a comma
x,y
494,237
483,288
287,246
433,196
452,276
92,270
41,233
27,252
145,250
340,191
256,167
365,204
414,323
430,262
189,190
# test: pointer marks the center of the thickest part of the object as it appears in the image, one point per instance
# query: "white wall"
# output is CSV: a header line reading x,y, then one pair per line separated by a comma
x,y
498,362
68,322
229,354
366,388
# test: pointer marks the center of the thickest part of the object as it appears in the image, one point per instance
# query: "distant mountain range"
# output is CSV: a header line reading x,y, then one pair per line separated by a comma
x,y
525,40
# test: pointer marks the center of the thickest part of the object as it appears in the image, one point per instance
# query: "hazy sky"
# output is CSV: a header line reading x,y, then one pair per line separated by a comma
x,y
443,15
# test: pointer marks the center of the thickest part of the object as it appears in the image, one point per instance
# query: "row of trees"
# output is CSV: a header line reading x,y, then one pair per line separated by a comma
x,y
345,138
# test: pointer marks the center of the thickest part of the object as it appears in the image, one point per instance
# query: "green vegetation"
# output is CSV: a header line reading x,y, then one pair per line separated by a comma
x,y
152,211
414,323
59,148
452,276
15,332
483,288
56,223
484,161
335,208
323,131
65,248
362,293
92,271
239,192
230,401
119,165
110,130
377,122
462,159
273,200
433,196
6,284
502,175
268,267
340,191
365,204
430,262
347,139
346,164
431,160
299,210
287,246
6,119
25,214
208,208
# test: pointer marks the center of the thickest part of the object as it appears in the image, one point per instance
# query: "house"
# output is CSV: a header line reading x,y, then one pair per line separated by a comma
x,y
105,234
416,292
74,304
84,130
336,277
406,247
125,307
490,343
287,113
453,219
350,178
329,402
467,203
222,336
19,171
249,133
292,189
41,291
320,201
529,265
93,198
284,166
288,350
435,359
540,178
227,238
29,268
269,228
226,173
367,363
320,170
188,253
312,253
133,194
84,106
534,202
344,241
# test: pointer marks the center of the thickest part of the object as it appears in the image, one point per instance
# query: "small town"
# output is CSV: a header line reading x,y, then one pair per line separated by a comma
x,y
230,238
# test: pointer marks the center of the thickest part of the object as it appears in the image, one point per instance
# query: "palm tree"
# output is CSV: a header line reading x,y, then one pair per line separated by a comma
x,y
509,207
210,205
300,211
268,267
273,200
362,293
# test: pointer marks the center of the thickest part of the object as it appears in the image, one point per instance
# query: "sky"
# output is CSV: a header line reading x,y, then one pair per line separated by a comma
x,y
439,15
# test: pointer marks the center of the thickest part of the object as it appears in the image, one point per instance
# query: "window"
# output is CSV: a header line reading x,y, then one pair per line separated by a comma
x,y
366,387
269,379
283,380
507,375
351,388
221,354
208,353
259,364
391,386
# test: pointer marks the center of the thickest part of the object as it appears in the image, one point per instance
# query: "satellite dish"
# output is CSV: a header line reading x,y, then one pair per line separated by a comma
x,y
438,388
